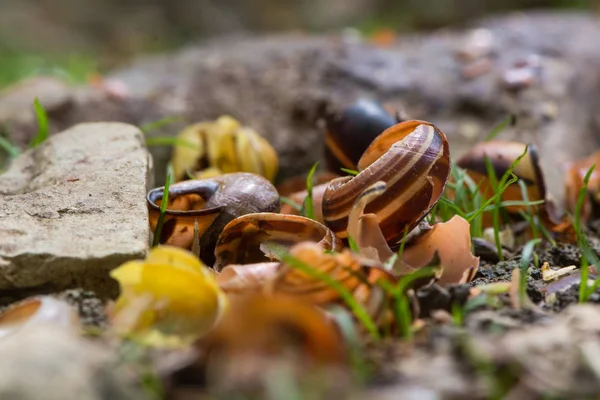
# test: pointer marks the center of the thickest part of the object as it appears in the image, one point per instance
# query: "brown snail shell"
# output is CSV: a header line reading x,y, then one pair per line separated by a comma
x,y
240,240
350,132
574,182
502,154
413,159
213,203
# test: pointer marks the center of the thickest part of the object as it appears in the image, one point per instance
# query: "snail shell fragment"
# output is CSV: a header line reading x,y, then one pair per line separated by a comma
x,y
413,159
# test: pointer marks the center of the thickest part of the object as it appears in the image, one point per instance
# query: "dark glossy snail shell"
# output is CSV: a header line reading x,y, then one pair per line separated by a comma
x,y
413,159
350,132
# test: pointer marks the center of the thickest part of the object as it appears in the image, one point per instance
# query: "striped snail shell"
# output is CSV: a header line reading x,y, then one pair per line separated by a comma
x,y
413,159
241,239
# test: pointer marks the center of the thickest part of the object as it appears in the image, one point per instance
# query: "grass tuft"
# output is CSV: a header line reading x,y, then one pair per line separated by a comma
x,y
402,309
584,290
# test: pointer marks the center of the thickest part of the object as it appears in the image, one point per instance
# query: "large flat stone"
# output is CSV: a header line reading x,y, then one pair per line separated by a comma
x,y
74,208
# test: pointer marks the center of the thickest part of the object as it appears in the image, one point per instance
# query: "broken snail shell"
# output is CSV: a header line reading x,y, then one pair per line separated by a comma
x,y
349,133
222,146
502,154
357,274
413,159
43,310
240,242
212,204
574,182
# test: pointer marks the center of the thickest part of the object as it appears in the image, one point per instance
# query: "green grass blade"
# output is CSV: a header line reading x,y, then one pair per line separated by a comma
x,y
581,239
163,210
357,309
308,209
12,150
154,125
471,216
496,211
42,120
353,245
526,256
506,122
350,171
290,202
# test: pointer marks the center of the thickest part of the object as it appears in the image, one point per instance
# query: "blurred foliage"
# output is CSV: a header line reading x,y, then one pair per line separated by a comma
x,y
16,65
75,38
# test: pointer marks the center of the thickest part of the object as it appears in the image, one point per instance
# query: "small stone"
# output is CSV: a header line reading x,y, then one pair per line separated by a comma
x,y
55,364
58,232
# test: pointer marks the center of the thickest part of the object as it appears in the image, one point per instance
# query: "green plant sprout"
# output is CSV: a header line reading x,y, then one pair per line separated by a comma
x,y
154,125
350,171
42,120
163,210
308,209
290,202
507,121
496,211
586,254
526,256
402,311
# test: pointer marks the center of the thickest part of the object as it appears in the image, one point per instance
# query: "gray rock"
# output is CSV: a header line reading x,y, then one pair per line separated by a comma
x,y
74,208
46,362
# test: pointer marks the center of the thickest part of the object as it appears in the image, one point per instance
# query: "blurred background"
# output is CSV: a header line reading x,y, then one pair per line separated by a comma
x,y
76,38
